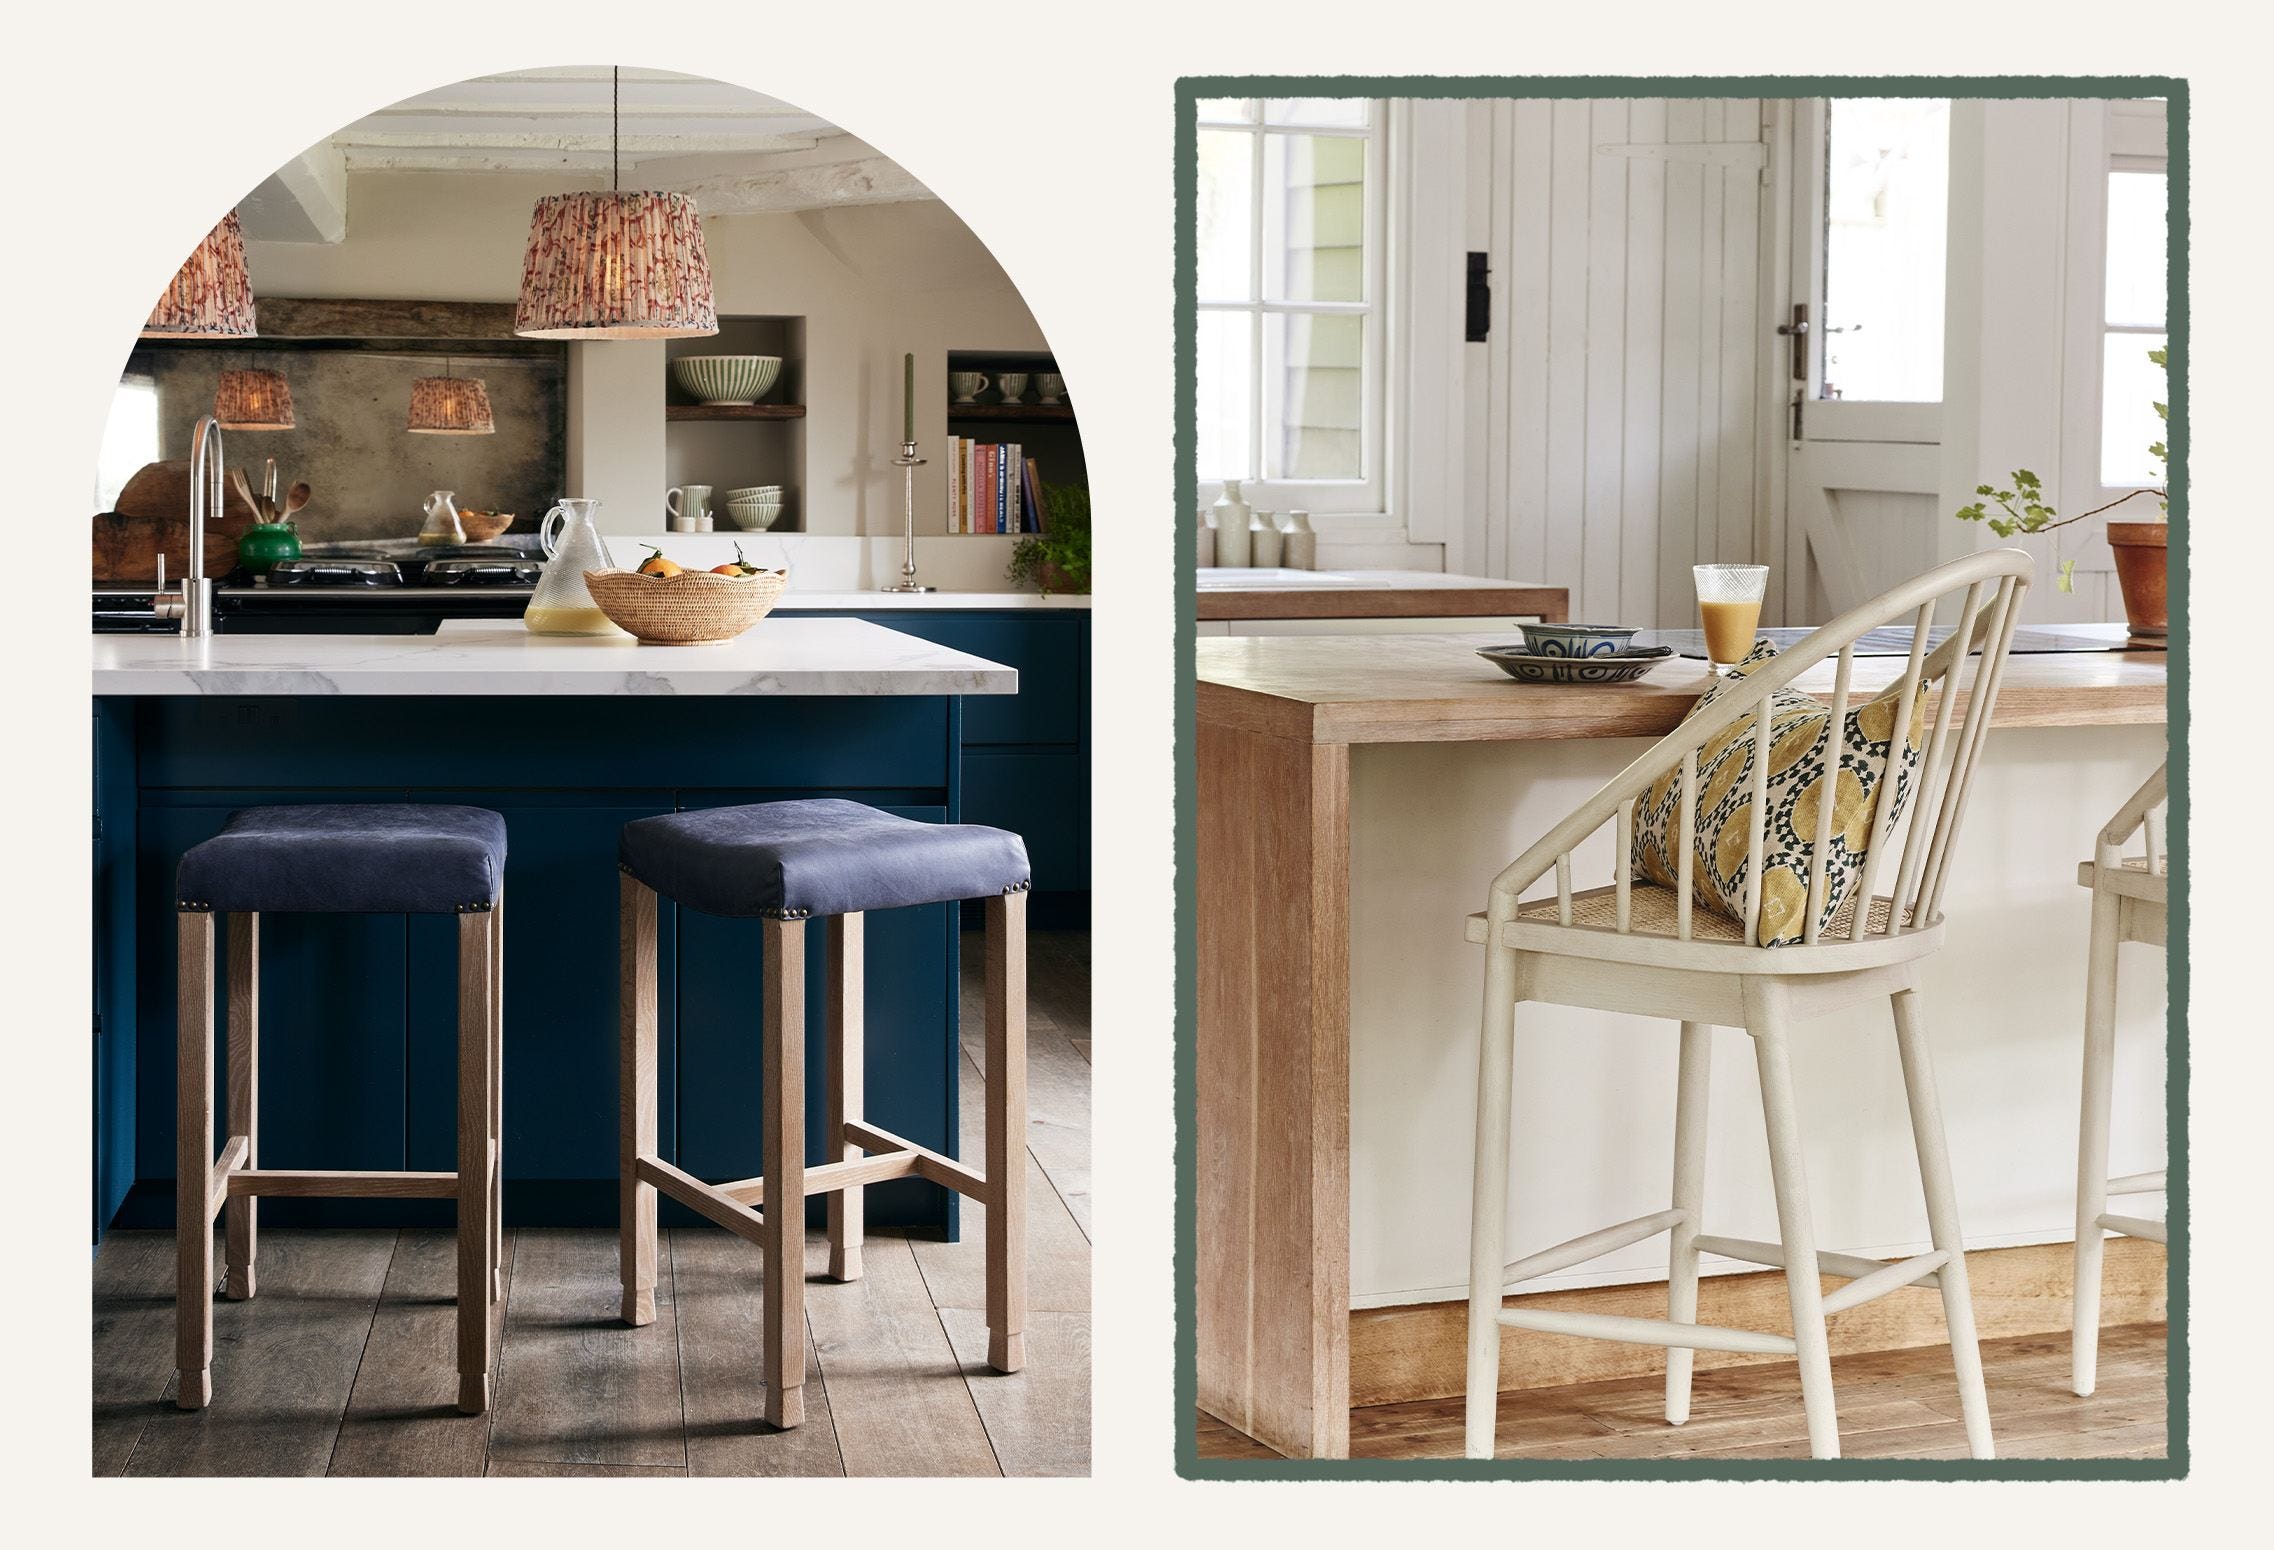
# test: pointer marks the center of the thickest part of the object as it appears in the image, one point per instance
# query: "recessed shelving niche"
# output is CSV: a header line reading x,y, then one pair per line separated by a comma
x,y
727,446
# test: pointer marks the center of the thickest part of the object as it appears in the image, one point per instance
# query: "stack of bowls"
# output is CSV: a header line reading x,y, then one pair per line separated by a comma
x,y
726,379
754,507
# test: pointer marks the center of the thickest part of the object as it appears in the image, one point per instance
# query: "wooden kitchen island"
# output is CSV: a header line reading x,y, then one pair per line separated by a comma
x,y
1355,798
569,738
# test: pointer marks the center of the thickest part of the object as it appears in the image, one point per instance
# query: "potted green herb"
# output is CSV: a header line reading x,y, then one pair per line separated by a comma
x,y
1057,559
2141,549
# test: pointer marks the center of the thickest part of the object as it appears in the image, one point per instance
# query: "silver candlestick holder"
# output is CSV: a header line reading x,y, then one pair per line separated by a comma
x,y
908,462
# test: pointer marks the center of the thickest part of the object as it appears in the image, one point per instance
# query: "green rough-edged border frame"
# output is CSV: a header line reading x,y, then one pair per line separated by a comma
x,y
1189,91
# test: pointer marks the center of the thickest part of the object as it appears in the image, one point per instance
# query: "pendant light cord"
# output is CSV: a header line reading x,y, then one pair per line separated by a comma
x,y
615,128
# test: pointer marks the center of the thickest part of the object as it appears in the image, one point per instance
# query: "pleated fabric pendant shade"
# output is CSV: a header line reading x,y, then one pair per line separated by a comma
x,y
211,297
451,406
608,265
253,400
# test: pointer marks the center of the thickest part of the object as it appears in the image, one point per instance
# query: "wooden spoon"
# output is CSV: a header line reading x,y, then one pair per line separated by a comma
x,y
295,498
245,492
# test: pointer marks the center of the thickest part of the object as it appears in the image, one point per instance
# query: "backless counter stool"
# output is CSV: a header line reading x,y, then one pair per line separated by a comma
x,y
2130,897
1641,947
786,863
380,859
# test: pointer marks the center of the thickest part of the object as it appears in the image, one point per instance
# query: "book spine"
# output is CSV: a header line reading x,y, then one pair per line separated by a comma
x,y
947,467
1002,507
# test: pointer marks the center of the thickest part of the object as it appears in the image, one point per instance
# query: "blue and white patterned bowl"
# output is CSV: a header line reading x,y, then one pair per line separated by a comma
x,y
1576,640
727,379
1533,667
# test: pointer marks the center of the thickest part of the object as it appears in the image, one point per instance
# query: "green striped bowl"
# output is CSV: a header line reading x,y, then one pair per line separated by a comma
x,y
726,379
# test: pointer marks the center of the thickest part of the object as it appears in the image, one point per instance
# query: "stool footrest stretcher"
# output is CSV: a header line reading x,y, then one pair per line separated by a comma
x,y
828,1178
327,1183
1888,1278
1665,1332
943,1171
2136,1227
1587,1246
1854,1267
2138,1184
230,1162
705,1199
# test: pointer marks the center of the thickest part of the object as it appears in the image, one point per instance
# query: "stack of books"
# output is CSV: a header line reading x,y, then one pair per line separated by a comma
x,y
992,488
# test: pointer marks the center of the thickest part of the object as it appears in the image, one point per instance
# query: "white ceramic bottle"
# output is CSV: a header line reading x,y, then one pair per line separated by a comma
x,y
1231,526
1204,541
1301,551
1264,541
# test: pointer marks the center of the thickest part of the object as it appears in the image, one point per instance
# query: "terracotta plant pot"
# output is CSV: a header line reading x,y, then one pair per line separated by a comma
x,y
2141,550
1053,579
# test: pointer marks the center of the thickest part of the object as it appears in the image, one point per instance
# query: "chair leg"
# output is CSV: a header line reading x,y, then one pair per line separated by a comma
x,y
846,1096
1765,1021
2092,1139
1488,1197
1006,1132
193,1161
1942,1221
474,1279
1690,1110
782,1243
242,1211
497,1098
636,1016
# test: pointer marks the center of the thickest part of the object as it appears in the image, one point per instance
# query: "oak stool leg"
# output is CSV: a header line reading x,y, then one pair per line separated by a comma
x,y
1006,1132
1488,1198
474,1278
636,989
497,1097
782,1242
2092,1138
242,1211
847,1061
1765,1021
1691,1105
193,1161
1942,1220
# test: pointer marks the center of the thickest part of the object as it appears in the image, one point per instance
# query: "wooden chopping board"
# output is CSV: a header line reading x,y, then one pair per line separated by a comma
x,y
152,518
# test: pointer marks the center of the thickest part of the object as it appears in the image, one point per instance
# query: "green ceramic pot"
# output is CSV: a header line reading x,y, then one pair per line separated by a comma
x,y
264,544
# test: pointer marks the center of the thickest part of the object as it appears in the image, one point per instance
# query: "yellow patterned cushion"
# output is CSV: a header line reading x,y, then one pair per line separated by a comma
x,y
1799,730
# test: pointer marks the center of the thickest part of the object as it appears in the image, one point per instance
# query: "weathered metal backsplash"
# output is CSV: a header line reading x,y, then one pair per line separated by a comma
x,y
370,476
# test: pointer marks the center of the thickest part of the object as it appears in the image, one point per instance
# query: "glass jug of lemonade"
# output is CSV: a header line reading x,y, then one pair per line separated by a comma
x,y
562,604
1729,604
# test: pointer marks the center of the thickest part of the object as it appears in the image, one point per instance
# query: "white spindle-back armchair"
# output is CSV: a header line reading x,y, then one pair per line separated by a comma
x,y
2130,897
1633,946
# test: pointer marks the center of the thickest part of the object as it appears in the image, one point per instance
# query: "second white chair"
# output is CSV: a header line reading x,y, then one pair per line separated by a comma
x,y
1638,948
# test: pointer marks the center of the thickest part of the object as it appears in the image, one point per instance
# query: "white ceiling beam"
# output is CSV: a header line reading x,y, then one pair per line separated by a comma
x,y
870,180
305,200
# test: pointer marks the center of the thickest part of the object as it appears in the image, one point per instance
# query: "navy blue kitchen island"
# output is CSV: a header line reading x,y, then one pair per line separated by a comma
x,y
569,740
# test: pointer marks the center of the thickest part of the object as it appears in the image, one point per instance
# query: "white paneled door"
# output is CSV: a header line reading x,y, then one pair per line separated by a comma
x,y
1622,388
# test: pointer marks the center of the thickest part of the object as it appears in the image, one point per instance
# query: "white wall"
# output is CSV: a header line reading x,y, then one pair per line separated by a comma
x,y
872,281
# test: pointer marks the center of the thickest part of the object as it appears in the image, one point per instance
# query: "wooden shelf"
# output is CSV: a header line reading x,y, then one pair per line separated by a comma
x,y
1014,414
734,411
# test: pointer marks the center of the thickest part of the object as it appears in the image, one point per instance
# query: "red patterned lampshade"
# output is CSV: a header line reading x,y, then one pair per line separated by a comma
x,y
253,401
451,406
212,295
607,265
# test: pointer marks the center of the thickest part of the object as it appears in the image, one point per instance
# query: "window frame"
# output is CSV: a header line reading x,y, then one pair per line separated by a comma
x,y
2105,137
1365,495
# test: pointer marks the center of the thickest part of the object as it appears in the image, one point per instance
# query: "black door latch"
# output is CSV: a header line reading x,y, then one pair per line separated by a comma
x,y
1480,298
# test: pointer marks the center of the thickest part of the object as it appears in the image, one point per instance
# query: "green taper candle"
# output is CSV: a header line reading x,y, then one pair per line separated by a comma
x,y
908,403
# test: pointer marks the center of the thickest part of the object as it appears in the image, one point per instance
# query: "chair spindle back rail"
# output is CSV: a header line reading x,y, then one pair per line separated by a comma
x,y
1994,583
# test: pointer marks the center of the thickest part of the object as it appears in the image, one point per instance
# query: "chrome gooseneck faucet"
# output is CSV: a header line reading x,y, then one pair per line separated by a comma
x,y
195,605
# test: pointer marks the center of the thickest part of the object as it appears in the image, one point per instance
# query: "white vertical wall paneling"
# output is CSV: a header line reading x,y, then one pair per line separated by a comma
x,y
1678,429
1532,148
1568,388
1705,537
1602,499
1478,443
1641,341
1500,498
1427,419
1740,342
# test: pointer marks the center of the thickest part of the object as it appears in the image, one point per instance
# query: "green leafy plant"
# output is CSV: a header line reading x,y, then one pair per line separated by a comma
x,y
2023,501
1058,556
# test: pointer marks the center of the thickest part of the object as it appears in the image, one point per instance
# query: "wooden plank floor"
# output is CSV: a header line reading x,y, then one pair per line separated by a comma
x,y
346,1362
1893,1405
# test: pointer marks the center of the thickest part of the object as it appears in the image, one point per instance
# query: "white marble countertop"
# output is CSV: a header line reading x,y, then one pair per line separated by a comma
x,y
778,656
866,602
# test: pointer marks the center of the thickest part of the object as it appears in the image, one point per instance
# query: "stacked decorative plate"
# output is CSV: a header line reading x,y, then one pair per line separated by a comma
x,y
1575,654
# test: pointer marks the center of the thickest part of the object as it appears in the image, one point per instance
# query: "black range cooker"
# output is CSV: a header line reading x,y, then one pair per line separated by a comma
x,y
348,592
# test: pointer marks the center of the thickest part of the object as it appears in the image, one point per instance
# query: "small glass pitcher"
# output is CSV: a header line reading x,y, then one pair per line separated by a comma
x,y
562,603
442,524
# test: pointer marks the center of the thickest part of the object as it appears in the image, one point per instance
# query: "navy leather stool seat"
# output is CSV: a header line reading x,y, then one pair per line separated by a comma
x,y
791,860
381,858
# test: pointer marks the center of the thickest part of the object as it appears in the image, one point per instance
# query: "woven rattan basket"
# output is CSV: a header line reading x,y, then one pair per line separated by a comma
x,y
693,608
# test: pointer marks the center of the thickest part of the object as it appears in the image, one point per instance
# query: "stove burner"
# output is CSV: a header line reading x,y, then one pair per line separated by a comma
x,y
336,570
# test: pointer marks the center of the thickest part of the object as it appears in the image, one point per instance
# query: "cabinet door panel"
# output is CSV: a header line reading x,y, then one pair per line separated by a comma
x,y
1047,650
